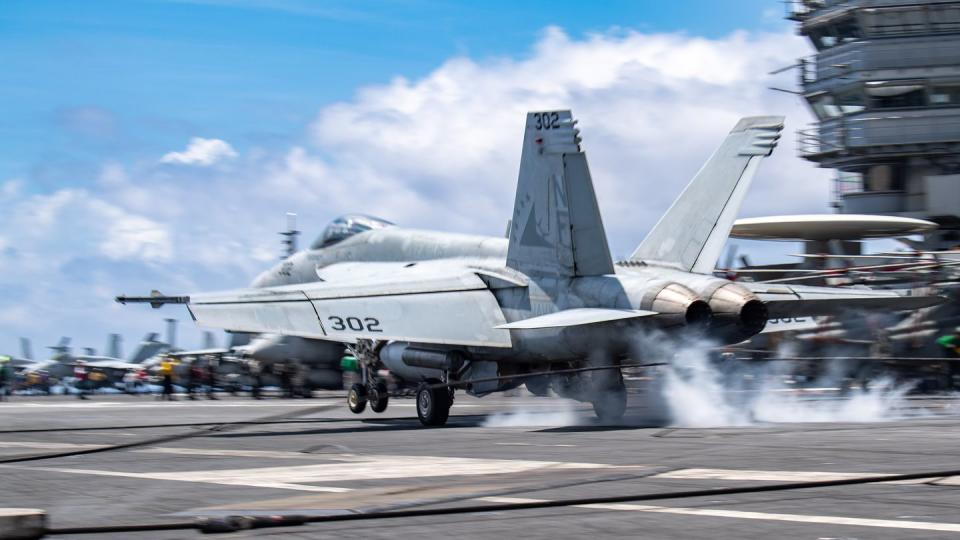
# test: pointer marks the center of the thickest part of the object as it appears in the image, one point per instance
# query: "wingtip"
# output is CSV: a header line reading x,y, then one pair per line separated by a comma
x,y
759,122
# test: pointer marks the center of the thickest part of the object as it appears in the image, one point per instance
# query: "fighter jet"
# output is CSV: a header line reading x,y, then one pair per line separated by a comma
x,y
441,311
62,362
26,355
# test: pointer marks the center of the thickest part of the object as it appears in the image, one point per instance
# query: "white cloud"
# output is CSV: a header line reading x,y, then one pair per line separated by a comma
x,y
201,152
112,175
651,108
72,222
10,189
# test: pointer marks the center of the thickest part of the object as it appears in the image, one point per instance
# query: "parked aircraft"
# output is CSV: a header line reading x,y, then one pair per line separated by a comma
x,y
62,362
441,310
26,354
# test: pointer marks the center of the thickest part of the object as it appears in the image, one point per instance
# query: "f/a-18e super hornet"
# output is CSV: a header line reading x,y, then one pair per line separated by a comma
x,y
443,310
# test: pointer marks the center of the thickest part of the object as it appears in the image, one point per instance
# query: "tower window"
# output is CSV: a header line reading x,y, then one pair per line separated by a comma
x,y
946,94
850,102
824,107
896,94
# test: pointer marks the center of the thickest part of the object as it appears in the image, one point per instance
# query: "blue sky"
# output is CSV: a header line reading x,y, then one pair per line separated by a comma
x,y
253,72
292,104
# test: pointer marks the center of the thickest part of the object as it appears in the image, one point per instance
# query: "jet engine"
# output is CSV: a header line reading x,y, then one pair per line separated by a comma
x,y
677,305
737,313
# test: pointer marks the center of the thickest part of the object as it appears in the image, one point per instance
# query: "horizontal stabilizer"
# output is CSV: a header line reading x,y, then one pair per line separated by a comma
x,y
790,324
199,352
576,317
802,301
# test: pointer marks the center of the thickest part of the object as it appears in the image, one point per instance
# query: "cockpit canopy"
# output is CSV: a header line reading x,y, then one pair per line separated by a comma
x,y
346,226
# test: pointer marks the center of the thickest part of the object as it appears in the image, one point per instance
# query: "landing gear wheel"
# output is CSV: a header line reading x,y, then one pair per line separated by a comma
x,y
378,396
611,404
357,398
538,386
433,405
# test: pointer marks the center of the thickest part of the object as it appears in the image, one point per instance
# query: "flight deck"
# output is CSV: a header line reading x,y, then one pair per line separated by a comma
x,y
118,461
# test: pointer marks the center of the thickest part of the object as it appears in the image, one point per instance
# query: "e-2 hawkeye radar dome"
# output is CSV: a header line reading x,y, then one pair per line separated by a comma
x,y
822,227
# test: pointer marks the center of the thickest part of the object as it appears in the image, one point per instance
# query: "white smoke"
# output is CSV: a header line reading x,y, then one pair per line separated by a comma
x,y
536,412
701,393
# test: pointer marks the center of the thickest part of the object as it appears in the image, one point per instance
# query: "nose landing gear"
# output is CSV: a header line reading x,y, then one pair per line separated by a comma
x,y
378,396
357,398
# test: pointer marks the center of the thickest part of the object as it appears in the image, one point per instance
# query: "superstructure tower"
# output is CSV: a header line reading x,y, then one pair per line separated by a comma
x,y
884,86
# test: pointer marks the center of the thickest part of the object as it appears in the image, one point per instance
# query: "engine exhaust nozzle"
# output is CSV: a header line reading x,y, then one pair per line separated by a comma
x,y
736,308
678,305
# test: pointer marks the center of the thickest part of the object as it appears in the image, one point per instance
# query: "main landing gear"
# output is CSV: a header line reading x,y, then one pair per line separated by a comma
x,y
433,403
610,403
604,389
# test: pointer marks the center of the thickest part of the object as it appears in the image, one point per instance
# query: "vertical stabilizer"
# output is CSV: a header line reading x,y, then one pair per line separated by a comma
x,y
209,341
556,227
26,349
171,333
113,346
692,233
148,348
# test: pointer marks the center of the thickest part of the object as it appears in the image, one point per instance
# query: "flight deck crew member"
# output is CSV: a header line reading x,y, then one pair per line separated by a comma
x,y
6,377
951,349
256,378
82,379
210,377
286,379
166,372
194,378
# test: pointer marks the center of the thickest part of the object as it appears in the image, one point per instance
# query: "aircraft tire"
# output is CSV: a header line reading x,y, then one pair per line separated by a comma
x,y
433,405
538,386
357,398
378,396
611,404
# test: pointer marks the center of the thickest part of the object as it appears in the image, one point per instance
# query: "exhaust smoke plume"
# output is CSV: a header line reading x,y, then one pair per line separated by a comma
x,y
702,393
536,412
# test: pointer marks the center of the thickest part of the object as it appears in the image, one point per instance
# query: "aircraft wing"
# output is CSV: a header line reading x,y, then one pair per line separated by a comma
x,y
785,301
199,352
576,317
113,364
423,303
